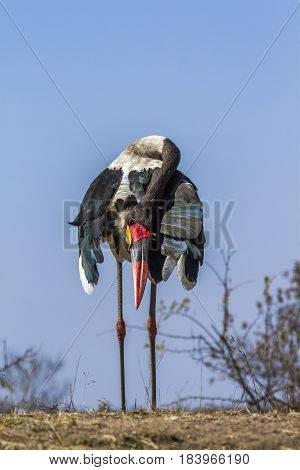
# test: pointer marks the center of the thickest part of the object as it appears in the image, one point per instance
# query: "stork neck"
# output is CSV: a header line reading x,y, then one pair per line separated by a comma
x,y
171,158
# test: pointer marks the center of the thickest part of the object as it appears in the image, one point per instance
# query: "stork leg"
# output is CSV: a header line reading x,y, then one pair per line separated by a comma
x,y
152,331
121,333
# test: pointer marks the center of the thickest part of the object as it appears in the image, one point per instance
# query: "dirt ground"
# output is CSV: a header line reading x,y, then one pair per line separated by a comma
x,y
146,430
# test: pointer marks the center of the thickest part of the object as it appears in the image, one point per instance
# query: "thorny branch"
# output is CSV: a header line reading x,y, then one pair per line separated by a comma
x,y
263,356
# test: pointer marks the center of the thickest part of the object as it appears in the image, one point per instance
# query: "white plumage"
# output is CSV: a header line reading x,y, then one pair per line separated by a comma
x,y
88,288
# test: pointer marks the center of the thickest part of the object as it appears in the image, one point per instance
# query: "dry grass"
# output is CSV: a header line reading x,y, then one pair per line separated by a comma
x,y
145,430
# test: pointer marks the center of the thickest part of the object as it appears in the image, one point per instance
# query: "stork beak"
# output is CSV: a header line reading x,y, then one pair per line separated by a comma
x,y
139,251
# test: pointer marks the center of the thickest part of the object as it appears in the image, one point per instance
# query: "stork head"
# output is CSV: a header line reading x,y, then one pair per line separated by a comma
x,y
138,238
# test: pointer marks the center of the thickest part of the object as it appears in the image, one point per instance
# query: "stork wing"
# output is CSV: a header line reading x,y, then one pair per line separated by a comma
x,y
98,196
182,229
90,225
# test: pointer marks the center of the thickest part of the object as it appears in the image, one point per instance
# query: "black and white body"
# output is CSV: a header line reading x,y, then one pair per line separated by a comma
x,y
150,214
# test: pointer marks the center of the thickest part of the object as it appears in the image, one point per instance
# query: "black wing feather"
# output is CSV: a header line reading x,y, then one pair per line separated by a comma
x,y
98,196
181,229
90,221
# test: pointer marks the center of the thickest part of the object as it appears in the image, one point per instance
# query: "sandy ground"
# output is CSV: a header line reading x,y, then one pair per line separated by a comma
x,y
146,430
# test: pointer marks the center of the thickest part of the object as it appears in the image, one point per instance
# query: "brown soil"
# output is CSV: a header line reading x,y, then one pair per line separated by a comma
x,y
145,430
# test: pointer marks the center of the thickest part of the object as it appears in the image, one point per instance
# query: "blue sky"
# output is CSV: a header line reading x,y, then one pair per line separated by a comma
x,y
130,69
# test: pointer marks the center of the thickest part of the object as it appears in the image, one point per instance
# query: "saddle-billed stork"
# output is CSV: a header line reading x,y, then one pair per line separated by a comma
x,y
150,215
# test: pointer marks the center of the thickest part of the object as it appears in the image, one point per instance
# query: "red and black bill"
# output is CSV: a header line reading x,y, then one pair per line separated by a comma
x,y
139,251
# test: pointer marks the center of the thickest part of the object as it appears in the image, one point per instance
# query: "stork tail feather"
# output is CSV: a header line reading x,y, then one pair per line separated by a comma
x,y
89,255
188,282
168,267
